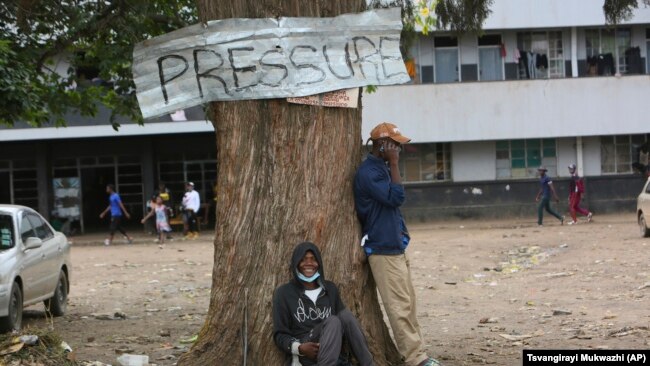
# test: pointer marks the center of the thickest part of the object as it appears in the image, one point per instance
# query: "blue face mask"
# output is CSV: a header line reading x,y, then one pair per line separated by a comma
x,y
313,278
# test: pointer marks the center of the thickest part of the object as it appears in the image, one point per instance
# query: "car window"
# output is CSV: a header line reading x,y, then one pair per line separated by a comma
x,y
647,188
26,230
6,232
40,227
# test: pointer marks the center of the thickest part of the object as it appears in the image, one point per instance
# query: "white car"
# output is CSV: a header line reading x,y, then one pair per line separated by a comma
x,y
34,265
643,209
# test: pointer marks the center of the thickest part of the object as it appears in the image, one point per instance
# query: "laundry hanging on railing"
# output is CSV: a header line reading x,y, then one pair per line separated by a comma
x,y
532,62
601,64
634,62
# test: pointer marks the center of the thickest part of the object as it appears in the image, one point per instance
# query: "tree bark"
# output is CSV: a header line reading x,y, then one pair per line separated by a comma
x,y
285,175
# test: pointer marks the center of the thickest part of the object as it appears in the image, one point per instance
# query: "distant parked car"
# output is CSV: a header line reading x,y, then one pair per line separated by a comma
x,y
34,265
643,209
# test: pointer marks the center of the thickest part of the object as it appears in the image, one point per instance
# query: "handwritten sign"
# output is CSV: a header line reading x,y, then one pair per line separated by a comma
x,y
347,98
236,59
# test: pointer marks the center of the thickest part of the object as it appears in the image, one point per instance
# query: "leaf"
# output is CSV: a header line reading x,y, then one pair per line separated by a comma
x,y
190,340
12,348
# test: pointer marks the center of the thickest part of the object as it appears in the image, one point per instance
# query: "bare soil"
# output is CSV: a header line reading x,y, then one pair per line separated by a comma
x,y
486,290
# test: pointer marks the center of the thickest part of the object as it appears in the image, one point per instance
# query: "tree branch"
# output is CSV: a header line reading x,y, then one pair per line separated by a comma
x,y
98,21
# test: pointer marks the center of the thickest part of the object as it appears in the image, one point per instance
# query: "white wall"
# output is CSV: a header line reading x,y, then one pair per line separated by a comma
x,y
566,154
591,155
482,111
513,14
471,161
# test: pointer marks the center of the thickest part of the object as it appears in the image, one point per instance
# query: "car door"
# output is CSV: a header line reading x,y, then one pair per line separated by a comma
x,y
31,261
644,200
51,251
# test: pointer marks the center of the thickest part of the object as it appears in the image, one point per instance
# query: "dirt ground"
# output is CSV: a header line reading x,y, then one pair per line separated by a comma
x,y
486,290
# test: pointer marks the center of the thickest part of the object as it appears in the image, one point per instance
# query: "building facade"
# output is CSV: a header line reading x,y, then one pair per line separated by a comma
x,y
547,83
173,150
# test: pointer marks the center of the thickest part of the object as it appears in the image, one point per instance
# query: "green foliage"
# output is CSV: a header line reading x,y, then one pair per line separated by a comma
x,y
371,89
462,16
62,56
617,11
424,15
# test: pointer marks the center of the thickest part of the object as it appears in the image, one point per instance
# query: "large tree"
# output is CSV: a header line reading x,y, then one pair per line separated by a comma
x,y
285,174
284,171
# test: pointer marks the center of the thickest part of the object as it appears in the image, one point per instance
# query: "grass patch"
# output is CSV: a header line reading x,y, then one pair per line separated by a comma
x,y
46,352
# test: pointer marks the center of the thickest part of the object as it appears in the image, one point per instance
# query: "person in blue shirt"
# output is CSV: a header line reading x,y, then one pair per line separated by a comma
x,y
378,195
115,207
544,197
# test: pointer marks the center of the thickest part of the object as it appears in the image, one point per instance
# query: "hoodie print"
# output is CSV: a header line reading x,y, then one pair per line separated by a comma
x,y
312,313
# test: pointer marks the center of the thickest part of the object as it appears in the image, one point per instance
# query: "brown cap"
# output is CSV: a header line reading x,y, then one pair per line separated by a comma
x,y
389,130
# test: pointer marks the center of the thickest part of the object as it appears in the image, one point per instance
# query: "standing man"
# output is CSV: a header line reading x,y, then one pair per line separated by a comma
x,y
191,206
115,207
545,190
576,189
378,194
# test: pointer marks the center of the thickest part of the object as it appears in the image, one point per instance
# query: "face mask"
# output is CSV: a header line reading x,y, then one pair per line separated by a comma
x,y
313,278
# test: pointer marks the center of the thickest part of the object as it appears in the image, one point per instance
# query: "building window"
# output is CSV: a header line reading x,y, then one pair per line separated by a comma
x,y
521,158
177,169
606,50
425,162
18,182
490,60
423,54
437,60
542,55
617,153
446,59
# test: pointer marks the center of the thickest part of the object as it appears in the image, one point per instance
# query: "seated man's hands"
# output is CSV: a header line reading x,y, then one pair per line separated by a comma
x,y
309,350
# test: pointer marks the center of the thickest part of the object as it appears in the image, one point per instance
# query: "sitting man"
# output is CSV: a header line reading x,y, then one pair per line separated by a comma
x,y
309,318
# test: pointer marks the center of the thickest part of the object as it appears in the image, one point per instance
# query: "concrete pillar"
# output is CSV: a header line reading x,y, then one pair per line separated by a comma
x,y
579,156
43,180
574,53
149,181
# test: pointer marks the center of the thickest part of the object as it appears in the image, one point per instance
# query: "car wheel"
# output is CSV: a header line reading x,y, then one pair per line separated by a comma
x,y
643,226
14,319
57,304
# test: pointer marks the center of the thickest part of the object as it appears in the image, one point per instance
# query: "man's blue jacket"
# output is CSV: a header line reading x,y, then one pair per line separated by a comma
x,y
377,202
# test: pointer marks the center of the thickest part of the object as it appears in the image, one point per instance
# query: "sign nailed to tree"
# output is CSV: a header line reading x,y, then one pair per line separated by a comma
x,y
236,59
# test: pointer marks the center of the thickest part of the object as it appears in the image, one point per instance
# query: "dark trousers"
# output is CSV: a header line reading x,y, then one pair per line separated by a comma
x,y
189,217
545,203
116,224
330,335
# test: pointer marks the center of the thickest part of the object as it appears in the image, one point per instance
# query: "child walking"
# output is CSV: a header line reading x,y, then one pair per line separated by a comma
x,y
162,223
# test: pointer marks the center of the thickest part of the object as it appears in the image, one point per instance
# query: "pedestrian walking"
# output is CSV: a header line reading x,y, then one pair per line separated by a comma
x,y
162,219
544,197
576,190
115,207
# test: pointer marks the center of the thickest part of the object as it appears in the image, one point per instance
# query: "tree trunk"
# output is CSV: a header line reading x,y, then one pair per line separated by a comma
x,y
285,175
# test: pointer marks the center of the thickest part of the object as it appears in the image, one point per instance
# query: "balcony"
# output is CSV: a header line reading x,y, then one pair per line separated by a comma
x,y
477,111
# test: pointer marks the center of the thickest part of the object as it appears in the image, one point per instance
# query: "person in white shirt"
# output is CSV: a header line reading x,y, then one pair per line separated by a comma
x,y
191,205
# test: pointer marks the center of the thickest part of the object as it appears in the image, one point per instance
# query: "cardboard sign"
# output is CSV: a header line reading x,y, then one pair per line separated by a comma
x,y
347,98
